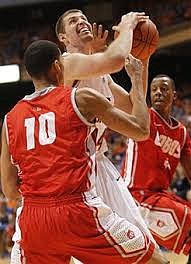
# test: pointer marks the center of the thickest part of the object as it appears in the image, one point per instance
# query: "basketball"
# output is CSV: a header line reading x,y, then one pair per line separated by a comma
x,y
145,40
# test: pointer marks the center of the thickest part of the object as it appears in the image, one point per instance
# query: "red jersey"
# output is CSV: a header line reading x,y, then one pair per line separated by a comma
x,y
151,164
47,140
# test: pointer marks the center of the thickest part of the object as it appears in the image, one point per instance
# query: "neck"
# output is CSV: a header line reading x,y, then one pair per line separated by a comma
x,y
85,49
166,115
40,85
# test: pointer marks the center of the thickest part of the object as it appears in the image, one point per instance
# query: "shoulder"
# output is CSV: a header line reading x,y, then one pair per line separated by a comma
x,y
86,93
90,98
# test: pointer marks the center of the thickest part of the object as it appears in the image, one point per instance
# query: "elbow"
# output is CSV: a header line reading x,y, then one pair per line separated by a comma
x,y
113,63
144,130
145,135
142,135
118,63
10,195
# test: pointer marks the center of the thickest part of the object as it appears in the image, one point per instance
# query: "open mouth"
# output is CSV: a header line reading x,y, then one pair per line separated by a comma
x,y
83,30
159,100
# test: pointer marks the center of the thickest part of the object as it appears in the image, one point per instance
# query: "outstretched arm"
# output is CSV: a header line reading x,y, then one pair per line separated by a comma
x,y
92,104
122,98
80,66
8,171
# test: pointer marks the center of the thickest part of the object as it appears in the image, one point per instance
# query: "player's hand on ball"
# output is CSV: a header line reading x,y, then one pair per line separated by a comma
x,y
132,19
133,66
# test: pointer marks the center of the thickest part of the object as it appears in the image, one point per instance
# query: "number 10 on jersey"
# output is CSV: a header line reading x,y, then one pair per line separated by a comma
x,y
47,132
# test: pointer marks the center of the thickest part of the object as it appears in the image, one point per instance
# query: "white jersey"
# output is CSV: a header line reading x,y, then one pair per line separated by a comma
x,y
101,85
109,183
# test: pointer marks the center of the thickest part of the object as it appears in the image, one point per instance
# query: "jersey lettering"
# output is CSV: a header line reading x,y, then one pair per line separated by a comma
x,y
168,145
47,131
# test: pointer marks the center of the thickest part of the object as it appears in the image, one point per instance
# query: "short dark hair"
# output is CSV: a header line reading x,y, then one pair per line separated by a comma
x,y
167,76
59,28
39,57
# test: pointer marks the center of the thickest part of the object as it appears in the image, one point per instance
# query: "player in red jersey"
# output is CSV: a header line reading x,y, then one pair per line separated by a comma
x,y
48,144
74,30
150,166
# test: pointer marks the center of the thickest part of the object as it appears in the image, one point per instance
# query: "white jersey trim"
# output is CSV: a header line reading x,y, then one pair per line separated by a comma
x,y
6,129
81,117
171,117
64,54
185,134
129,162
134,163
39,93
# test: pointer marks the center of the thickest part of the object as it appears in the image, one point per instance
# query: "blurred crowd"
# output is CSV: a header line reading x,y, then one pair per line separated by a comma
x,y
12,46
164,13
39,24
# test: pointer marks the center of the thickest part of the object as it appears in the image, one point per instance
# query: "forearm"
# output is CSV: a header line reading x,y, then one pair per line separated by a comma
x,y
10,187
139,106
132,92
145,64
122,45
11,192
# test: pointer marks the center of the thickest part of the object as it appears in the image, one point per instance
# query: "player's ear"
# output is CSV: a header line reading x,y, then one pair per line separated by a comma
x,y
55,72
57,67
175,95
58,71
62,38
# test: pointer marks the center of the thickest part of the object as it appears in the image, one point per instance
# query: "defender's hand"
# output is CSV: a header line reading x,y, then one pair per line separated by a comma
x,y
133,66
99,43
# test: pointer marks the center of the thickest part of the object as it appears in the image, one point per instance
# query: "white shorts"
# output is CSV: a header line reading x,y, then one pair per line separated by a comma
x,y
111,187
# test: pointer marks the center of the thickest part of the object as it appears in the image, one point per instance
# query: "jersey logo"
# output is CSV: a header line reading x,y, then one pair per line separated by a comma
x,y
168,145
160,223
130,234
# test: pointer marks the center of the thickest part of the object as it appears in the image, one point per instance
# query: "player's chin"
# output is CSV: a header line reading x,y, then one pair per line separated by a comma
x,y
158,105
87,37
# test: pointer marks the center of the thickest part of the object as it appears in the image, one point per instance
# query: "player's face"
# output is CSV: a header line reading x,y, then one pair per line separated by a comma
x,y
162,94
77,28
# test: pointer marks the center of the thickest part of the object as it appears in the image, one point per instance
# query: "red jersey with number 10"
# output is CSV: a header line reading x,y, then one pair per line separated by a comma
x,y
47,139
151,164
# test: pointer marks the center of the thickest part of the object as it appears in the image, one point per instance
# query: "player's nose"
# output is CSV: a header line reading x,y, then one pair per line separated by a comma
x,y
158,91
81,22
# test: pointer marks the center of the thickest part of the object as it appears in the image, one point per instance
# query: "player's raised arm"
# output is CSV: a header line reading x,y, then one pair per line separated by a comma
x,y
79,66
92,104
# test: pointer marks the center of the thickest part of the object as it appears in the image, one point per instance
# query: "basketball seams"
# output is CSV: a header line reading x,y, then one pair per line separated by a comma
x,y
145,40
153,46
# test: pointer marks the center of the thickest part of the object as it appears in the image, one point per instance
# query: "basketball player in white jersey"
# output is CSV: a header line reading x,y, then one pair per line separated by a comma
x,y
75,33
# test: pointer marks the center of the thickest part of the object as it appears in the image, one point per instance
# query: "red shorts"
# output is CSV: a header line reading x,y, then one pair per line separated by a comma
x,y
54,230
168,218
